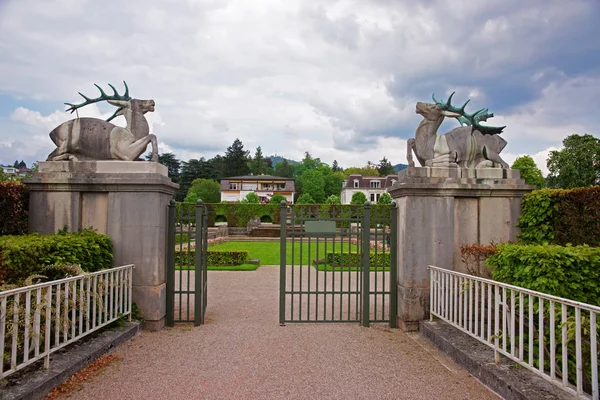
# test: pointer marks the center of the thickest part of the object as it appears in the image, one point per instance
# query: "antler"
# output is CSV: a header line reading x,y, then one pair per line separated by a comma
x,y
471,119
103,97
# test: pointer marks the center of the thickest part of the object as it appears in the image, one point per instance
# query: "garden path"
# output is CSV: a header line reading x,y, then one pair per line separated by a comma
x,y
242,353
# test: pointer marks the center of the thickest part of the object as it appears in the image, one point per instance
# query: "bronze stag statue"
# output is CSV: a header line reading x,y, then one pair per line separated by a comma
x,y
83,139
470,146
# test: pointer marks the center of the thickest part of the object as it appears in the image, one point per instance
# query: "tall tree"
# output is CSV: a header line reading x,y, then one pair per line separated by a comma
x,y
313,183
577,164
171,162
335,167
529,171
207,190
258,165
218,164
385,167
236,160
283,169
191,170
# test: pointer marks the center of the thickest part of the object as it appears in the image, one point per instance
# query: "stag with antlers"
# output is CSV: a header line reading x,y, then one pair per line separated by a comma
x,y
470,146
95,139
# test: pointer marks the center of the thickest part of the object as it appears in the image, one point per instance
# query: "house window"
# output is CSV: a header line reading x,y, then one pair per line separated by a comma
x,y
375,184
355,183
377,197
280,186
233,186
372,197
250,186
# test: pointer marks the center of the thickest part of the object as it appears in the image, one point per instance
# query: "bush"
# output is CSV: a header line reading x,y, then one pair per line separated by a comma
x,y
354,260
277,199
358,198
558,216
188,257
22,256
572,272
14,206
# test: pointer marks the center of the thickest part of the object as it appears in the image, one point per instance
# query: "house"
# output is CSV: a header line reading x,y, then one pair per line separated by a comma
x,y
371,186
236,188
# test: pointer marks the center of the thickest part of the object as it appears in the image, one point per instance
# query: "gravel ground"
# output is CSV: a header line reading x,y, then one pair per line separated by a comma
x,y
242,353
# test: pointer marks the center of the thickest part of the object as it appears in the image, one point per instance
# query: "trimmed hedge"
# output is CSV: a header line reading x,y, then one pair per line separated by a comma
x,y
354,260
25,255
215,257
572,272
239,214
14,208
558,216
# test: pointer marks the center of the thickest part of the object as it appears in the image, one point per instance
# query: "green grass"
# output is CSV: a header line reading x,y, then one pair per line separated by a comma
x,y
268,252
323,267
243,267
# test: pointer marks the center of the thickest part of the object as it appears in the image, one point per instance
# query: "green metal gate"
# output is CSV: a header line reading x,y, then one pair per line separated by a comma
x,y
187,245
338,264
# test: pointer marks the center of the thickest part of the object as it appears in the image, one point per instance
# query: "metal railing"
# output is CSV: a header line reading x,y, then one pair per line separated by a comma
x,y
37,320
554,337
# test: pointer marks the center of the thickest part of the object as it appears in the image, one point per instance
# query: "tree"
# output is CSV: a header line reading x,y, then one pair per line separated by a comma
x,y
305,198
333,199
251,198
277,198
258,166
171,162
577,164
3,175
385,198
358,198
283,169
385,167
364,171
207,190
313,183
236,160
191,170
335,167
529,171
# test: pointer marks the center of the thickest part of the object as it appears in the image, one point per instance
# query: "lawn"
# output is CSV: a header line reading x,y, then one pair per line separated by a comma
x,y
243,267
268,252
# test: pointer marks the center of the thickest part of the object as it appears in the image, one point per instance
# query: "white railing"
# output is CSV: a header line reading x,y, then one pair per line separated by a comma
x,y
37,320
556,338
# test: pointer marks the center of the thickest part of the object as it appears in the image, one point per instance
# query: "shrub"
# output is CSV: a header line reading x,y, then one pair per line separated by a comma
x,y
277,199
188,257
354,260
558,216
474,256
305,198
572,272
22,256
358,198
14,206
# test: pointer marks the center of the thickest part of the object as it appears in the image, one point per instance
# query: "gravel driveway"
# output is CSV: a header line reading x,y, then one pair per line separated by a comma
x,y
242,353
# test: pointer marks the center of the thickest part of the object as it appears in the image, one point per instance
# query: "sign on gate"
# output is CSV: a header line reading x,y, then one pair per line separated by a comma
x,y
338,265
187,246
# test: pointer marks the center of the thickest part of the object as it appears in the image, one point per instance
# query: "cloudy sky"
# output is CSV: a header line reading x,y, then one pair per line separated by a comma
x,y
339,79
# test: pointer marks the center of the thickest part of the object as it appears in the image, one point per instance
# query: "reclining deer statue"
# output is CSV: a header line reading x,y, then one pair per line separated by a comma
x,y
95,139
471,146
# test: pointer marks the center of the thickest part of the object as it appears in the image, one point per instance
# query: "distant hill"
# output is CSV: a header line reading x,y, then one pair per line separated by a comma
x,y
400,167
278,159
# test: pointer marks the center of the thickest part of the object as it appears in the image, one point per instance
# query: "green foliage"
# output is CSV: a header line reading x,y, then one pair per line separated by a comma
x,y
305,199
215,257
385,168
182,238
236,160
14,208
529,171
22,256
277,198
385,198
561,217
207,190
572,272
258,165
368,170
358,198
251,198
577,164
197,169
313,184
354,260
3,175
333,199
284,169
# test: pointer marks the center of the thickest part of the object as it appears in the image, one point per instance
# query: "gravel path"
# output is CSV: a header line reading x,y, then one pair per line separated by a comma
x,y
242,353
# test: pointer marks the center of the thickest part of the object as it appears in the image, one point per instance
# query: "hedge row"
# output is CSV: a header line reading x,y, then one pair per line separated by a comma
x,y
354,260
572,272
215,257
25,255
558,216
239,214
14,206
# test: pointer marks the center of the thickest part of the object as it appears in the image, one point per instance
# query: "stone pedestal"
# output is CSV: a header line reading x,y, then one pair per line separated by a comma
x,y
439,209
126,200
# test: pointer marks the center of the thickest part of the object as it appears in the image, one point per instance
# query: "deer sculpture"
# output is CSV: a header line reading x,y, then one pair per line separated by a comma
x,y
470,146
94,139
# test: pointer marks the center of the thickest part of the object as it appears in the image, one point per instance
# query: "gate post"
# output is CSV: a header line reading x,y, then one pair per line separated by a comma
x,y
393,265
170,263
282,259
366,268
199,264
